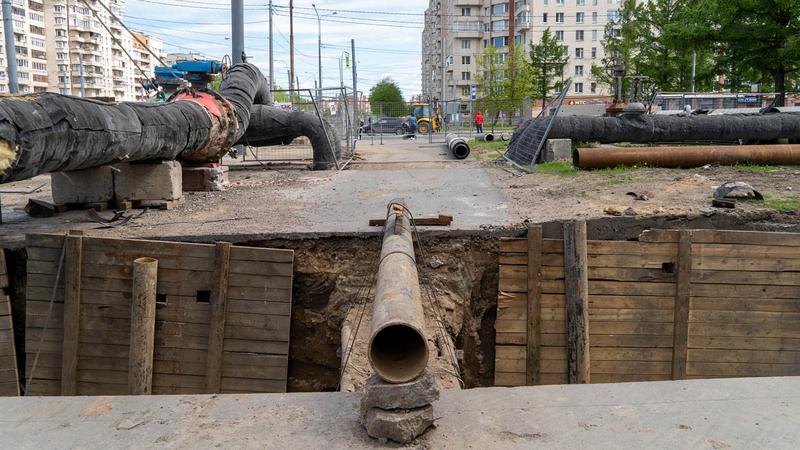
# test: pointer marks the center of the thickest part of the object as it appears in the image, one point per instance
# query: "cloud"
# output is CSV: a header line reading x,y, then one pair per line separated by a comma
x,y
388,50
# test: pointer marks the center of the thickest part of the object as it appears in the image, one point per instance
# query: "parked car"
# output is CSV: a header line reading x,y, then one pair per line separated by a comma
x,y
385,125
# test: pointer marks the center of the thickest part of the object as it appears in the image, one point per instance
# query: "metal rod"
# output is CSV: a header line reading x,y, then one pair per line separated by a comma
x,y
355,81
11,48
291,46
272,85
319,51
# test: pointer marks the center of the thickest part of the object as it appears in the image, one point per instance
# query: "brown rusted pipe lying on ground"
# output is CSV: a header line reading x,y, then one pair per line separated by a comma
x,y
398,348
686,157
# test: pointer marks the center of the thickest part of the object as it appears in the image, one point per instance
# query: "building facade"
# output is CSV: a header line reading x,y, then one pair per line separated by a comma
x,y
458,32
62,47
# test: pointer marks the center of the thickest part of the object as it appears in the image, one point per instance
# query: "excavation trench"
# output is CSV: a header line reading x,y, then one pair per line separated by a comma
x,y
333,277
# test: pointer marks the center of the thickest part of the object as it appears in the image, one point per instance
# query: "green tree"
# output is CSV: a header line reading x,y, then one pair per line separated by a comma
x,y
503,81
621,42
386,98
546,63
759,38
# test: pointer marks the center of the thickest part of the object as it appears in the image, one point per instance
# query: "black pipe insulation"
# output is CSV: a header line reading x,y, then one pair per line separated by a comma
x,y
643,128
458,146
46,132
274,126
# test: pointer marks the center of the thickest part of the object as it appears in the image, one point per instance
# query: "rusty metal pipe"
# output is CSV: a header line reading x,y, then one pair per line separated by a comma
x,y
398,348
686,157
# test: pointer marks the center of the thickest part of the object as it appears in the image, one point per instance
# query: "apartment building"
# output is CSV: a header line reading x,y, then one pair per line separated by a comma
x,y
457,32
62,47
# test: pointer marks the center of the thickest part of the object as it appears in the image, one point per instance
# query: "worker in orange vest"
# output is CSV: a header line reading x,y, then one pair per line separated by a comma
x,y
479,122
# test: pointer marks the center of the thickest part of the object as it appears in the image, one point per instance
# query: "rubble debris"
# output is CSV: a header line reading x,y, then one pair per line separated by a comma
x,y
401,425
640,196
722,203
727,189
414,394
613,211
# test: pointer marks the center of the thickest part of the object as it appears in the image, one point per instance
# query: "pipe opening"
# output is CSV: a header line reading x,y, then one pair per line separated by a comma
x,y
489,137
398,353
461,150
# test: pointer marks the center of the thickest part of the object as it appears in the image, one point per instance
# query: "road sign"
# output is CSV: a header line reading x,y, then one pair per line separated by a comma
x,y
474,91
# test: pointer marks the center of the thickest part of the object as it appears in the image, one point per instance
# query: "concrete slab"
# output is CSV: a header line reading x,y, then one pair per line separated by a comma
x,y
396,149
712,414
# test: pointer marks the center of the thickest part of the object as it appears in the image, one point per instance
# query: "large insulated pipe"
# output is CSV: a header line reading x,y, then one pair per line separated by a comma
x,y
686,157
44,133
484,137
635,127
458,146
398,348
274,126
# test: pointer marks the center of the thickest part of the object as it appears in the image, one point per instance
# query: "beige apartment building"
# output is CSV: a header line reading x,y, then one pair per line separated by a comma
x,y
60,42
458,31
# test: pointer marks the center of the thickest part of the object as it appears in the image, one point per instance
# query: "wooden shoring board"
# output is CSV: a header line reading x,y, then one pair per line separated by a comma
x,y
9,373
255,339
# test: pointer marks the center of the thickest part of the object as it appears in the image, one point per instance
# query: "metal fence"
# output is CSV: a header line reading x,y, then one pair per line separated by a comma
x,y
712,100
334,109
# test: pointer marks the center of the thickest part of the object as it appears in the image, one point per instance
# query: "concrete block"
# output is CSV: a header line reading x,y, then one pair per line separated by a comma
x,y
402,425
95,185
557,150
148,181
415,394
205,179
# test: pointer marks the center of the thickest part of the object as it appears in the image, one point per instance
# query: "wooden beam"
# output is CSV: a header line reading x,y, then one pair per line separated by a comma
x,y
534,305
3,270
219,308
73,259
143,326
441,221
680,341
576,281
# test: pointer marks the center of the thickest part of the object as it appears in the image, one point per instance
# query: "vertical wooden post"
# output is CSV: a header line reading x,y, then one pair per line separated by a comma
x,y
680,342
143,326
219,307
577,295
72,312
534,304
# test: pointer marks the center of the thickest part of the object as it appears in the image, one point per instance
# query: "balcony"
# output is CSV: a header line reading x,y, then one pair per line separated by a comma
x,y
473,29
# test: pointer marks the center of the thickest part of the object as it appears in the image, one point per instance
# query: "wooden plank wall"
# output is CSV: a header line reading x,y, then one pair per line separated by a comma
x,y
257,316
734,309
9,375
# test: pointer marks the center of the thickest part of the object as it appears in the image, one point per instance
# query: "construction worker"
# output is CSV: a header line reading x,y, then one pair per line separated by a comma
x,y
479,120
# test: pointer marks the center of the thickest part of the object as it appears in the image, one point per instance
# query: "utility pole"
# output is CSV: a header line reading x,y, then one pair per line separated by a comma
x,y
237,22
11,48
291,45
355,82
83,82
271,57
319,52
694,69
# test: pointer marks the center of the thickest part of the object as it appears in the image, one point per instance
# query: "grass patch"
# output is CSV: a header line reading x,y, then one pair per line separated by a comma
x,y
788,204
560,168
625,179
760,169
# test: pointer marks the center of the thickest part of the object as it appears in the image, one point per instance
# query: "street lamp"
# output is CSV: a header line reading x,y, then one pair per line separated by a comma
x,y
319,47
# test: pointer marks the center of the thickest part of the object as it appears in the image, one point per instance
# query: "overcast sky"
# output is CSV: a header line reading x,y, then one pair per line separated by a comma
x,y
390,36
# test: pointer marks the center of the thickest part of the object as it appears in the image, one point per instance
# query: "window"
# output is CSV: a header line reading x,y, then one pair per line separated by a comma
x,y
579,53
594,2
466,60
579,17
500,25
594,17
578,71
566,50
579,35
500,41
39,66
465,76
559,17
465,91
580,2
502,8
560,35
594,35
466,44
594,52
560,2
466,12
544,17
593,88
579,88
613,16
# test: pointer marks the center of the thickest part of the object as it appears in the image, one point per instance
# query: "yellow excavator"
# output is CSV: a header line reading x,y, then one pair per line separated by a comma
x,y
427,116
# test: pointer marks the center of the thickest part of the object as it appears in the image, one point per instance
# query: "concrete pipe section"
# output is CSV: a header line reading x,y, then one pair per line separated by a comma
x,y
686,157
484,137
398,348
458,146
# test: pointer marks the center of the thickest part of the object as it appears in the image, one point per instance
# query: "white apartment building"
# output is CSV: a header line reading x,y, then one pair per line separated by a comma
x,y
58,40
458,31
